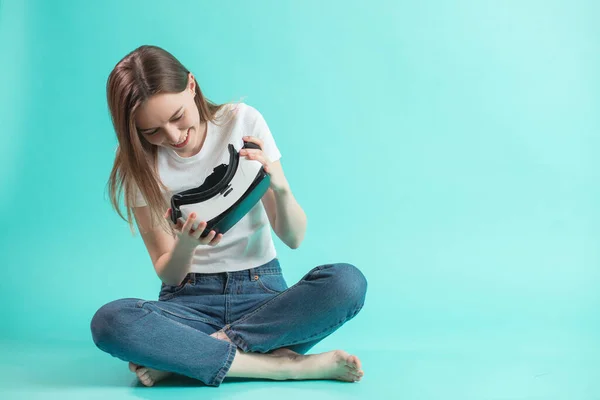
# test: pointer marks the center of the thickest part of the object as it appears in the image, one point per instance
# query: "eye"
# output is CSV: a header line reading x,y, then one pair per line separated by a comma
x,y
153,132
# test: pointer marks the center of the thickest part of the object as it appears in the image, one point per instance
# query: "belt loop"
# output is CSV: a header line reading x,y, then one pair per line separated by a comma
x,y
189,278
252,274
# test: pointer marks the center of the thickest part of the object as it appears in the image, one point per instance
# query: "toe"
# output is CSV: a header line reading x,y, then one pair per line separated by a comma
x,y
348,378
353,362
133,367
146,379
354,377
142,373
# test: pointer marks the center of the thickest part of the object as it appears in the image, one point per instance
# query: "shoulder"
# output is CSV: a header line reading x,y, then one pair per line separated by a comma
x,y
246,113
238,114
246,120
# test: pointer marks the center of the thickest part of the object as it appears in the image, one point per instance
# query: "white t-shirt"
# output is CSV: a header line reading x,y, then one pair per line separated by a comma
x,y
248,243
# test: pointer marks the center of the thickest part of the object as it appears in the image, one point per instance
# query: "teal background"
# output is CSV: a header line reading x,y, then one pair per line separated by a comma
x,y
446,148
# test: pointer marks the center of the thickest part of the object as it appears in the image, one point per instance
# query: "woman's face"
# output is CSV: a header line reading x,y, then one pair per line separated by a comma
x,y
172,120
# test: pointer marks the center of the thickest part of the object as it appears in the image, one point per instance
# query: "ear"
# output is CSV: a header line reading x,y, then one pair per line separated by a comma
x,y
191,83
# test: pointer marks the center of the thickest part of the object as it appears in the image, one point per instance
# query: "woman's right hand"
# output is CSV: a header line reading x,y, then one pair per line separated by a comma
x,y
191,236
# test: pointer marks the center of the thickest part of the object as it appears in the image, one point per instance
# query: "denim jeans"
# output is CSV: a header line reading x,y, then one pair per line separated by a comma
x,y
254,307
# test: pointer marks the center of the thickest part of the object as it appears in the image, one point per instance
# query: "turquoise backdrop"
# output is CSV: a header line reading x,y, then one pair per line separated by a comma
x,y
449,149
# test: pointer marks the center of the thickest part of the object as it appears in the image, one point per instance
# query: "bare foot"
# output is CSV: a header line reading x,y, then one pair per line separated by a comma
x,y
336,364
148,376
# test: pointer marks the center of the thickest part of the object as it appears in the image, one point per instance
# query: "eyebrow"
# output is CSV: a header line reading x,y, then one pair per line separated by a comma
x,y
151,129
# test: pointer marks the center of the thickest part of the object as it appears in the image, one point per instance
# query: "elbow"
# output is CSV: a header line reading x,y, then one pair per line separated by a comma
x,y
170,282
293,238
166,278
295,243
291,242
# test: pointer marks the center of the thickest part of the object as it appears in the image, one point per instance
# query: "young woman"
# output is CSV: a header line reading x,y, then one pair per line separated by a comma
x,y
224,308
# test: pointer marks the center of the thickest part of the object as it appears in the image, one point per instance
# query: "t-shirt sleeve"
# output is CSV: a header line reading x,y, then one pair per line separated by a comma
x,y
261,130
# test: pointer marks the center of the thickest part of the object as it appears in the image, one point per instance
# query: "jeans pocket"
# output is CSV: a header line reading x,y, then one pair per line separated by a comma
x,y
169,291
272,283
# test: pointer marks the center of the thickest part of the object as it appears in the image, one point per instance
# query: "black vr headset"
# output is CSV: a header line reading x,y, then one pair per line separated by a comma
x,y
226,195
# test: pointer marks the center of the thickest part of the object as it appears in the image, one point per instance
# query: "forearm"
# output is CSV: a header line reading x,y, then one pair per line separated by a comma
x,y
172,267
290,220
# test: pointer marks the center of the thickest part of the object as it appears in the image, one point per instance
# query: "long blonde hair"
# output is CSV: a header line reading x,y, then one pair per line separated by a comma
x,y
142,73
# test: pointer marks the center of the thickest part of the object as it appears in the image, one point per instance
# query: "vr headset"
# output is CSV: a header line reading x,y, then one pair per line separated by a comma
x,y
226,195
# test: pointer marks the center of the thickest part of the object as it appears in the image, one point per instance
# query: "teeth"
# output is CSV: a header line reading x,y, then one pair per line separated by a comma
x,y
182,140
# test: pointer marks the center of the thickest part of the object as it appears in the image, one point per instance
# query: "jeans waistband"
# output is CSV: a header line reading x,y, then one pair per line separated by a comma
x,y
271,268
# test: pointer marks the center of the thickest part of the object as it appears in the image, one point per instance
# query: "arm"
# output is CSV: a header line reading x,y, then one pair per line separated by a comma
x,y
285,214
170,256
172,267
290,219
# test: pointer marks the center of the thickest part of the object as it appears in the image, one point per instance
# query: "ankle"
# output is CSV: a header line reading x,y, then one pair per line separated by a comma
x,y
289,366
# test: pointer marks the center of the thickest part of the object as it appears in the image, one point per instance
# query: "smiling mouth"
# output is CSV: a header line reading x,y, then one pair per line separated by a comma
x,y
184,141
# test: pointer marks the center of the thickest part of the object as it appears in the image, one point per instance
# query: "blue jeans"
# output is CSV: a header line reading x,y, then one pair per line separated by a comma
x,y
254,307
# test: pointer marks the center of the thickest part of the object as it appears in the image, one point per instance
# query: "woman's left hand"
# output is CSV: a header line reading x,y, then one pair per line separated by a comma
x,y
278,181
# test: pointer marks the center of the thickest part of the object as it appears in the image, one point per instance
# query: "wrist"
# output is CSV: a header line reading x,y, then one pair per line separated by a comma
x,y
186,243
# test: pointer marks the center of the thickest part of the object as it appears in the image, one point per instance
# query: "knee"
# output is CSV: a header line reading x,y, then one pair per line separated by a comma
x,y
349,283
108,323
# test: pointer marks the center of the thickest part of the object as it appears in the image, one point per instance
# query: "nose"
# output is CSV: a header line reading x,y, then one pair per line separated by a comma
x,y
172,133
